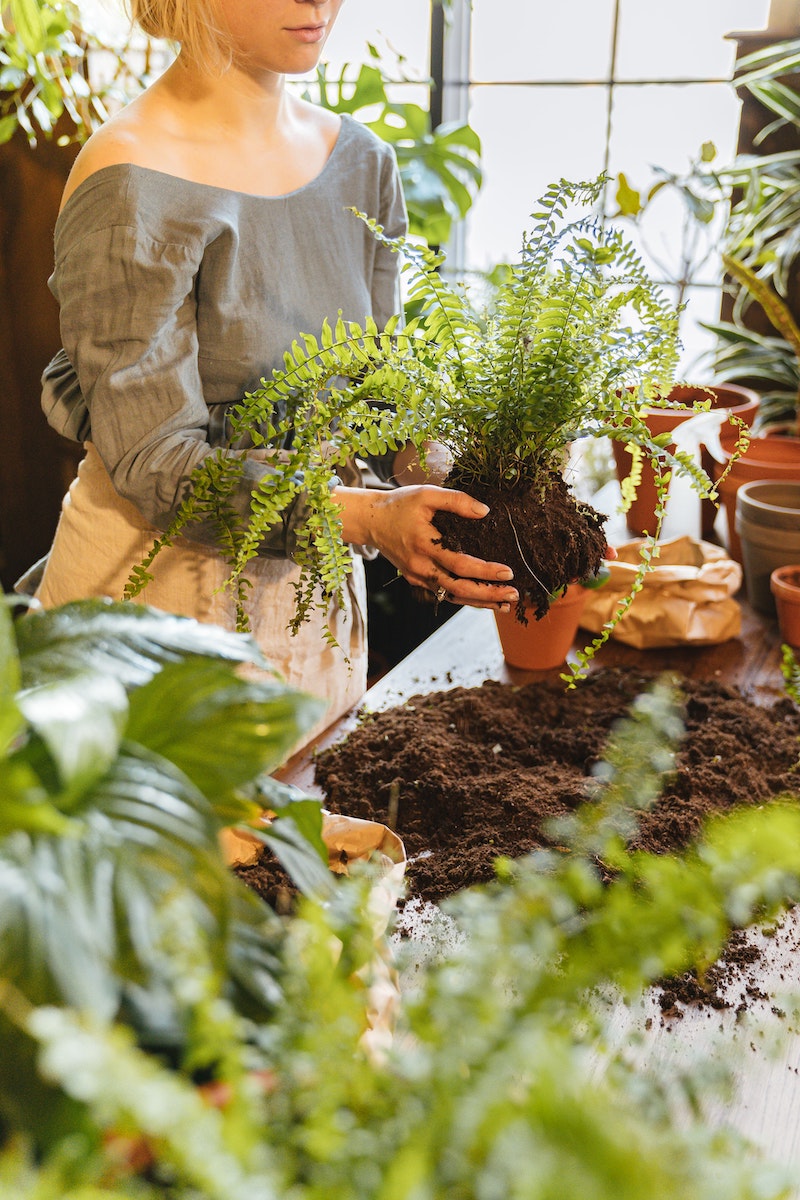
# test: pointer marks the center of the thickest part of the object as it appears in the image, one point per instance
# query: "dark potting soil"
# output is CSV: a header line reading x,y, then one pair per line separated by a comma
x,y
473,773
470,774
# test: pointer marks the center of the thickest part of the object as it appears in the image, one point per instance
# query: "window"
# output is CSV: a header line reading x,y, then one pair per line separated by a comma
x,y
618,85
569,90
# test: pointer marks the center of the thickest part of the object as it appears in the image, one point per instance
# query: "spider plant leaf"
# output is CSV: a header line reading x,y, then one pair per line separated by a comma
x,y
775,308
130,641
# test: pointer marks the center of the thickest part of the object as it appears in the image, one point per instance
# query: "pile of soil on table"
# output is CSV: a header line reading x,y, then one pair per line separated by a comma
x,y
466,775
473,773
469,774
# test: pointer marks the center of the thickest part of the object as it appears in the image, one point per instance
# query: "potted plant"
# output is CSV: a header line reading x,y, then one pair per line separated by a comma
x,y
774,453
300,1105
576,340
543,644
703,195
759,343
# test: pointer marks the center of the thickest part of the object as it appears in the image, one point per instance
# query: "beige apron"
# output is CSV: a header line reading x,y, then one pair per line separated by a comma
x,y
101,537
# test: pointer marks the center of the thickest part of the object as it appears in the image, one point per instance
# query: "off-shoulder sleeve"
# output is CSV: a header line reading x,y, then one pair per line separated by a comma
x,y
129,330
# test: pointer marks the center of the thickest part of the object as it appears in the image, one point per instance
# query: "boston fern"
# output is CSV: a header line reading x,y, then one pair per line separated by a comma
x,y
576,340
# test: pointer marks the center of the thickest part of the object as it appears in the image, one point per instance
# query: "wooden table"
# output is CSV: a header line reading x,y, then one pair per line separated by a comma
x,y
762,1051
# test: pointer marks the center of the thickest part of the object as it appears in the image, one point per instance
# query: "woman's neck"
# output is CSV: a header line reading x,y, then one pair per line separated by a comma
x,y
237,104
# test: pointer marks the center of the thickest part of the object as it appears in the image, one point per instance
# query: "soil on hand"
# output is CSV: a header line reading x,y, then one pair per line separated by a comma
x,y
546,536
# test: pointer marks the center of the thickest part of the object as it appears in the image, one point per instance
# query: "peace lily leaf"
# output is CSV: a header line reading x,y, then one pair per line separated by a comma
x,y
152,805
80,915
52,943
80,719
306,813
25,803
221,731
286,800
291,847
130,641
11,722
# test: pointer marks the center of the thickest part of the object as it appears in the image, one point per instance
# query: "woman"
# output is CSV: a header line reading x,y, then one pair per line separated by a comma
x,y
202,228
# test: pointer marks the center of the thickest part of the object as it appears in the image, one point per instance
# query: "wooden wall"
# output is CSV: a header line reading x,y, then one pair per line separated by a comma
x,y
36,464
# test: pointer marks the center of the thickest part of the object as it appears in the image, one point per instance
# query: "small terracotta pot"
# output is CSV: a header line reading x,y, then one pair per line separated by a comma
x,y
740,401
785,585
542,645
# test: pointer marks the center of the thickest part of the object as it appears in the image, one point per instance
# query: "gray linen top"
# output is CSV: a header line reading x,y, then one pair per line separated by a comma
x,y
178,297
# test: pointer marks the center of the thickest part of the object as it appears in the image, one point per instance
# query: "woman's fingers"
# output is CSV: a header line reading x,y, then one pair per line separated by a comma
x,y
400,524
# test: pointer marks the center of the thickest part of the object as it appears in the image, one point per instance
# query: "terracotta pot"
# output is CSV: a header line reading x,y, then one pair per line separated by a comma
x,y
741,401
768,527
542,645
767,457
785,585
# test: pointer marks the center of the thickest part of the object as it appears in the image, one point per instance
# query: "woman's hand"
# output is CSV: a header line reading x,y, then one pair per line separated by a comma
x,y
399,523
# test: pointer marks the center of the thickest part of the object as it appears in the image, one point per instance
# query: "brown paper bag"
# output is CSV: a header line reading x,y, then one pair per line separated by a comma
x,y
349,839
686,599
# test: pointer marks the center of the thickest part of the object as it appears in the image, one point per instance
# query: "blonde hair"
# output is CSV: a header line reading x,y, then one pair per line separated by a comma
x,y
194,24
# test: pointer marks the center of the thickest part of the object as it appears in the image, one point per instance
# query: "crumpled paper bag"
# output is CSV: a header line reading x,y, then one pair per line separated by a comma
x,y
346,838
686,598
349,839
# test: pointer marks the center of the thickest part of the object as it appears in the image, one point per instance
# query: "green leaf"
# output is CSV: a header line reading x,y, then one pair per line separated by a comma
x,y
26,805
8,126
80,719
219,730
11,721
26,16
306,813
289,843
130,641
628,199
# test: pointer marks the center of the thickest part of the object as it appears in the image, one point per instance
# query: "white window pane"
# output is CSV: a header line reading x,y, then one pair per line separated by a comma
x,y
403,28
702,304
684,39
664,126
520,39
531,137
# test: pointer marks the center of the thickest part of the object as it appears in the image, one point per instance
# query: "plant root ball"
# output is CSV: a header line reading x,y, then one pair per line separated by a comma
x,y
547,536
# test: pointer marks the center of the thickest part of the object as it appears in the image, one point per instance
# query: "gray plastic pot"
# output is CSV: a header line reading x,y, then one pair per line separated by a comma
x,y
768,526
